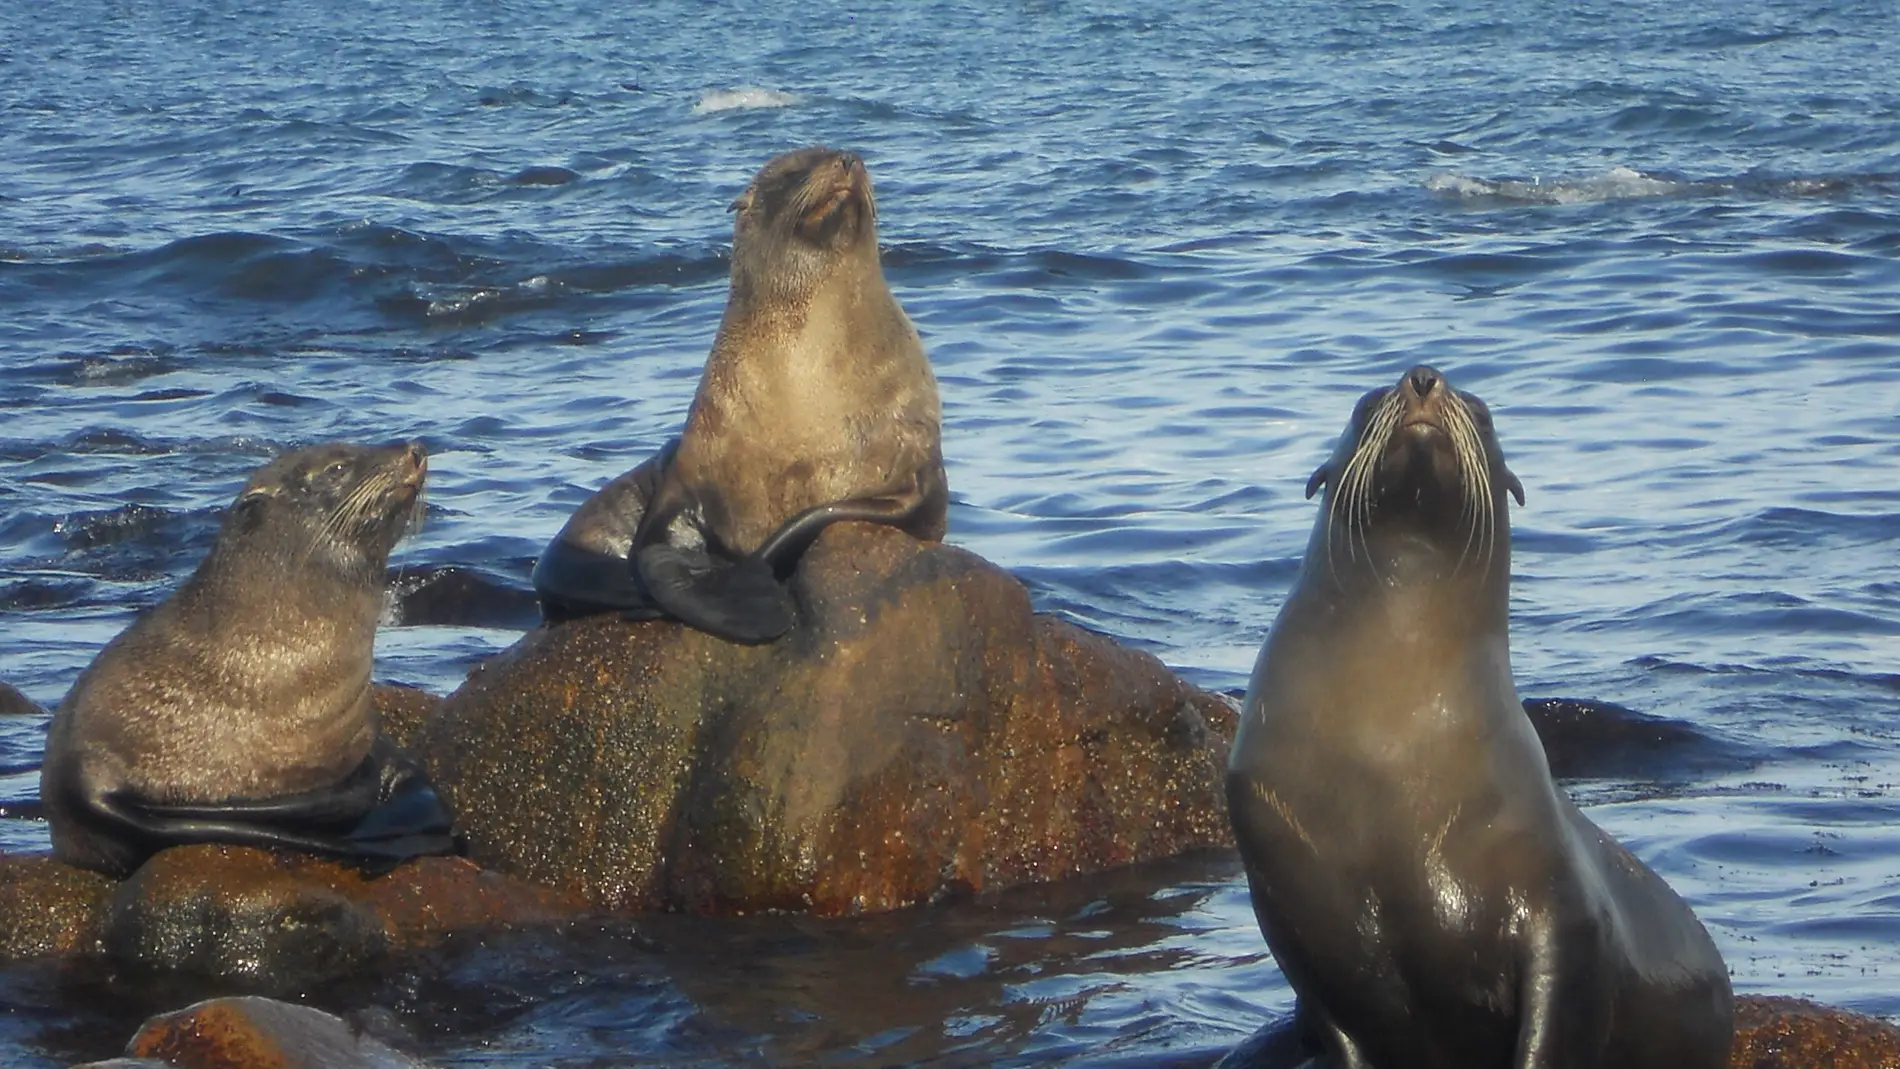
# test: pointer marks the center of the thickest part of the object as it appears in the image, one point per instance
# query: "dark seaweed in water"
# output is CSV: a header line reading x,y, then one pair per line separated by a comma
x,y
1155,253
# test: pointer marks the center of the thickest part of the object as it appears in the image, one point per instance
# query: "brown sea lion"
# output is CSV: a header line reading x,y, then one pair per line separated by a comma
x,y
1433,898
238,709
817,404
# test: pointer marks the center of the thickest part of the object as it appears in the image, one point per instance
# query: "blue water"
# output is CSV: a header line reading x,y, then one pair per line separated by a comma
x,y
1155,255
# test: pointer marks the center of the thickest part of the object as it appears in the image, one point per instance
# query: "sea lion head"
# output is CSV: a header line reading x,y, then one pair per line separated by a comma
x,y
802,214
1419,467
342,505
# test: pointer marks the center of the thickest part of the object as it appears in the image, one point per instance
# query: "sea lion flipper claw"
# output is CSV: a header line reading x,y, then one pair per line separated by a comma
x,y
740,601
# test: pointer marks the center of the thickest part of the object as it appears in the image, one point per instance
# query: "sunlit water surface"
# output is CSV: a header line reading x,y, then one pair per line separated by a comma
x,y
1155,255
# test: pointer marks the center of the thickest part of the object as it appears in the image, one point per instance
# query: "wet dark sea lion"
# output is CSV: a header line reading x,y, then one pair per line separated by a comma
x,y
817,404
1433,898
238,709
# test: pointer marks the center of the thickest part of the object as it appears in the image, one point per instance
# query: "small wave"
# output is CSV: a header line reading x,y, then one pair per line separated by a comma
x,y
1619,183
714,100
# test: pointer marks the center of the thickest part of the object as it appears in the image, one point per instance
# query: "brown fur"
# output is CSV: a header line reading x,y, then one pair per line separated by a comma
x,y
252,680
817,389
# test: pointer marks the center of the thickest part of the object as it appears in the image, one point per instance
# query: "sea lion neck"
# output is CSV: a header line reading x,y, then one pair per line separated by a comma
x,y
772,315
1395,566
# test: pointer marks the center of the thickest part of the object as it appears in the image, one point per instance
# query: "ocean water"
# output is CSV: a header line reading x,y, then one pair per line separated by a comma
x,y
1155,254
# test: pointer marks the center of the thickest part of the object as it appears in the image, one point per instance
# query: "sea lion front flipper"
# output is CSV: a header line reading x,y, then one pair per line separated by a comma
x,y
740,601
410,819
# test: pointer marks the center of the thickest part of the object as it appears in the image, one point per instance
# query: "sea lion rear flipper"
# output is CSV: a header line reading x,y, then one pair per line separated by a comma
x,y
575,576
384,813
335,807
740,601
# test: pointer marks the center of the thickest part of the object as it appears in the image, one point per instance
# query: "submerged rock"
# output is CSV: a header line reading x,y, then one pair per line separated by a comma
x,y
259,1033
15,703
1771,1032
293,921
287,921
920,733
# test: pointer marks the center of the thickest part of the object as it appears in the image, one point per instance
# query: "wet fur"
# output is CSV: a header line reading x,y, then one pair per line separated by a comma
x,y
252,680
1432,896
817,403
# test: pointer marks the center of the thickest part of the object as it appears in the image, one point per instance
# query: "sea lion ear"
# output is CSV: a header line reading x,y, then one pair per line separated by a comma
x,y
1321,476
1516,488
740,203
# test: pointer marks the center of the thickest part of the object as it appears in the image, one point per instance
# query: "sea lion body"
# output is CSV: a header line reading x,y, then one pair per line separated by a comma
x,y
817,404
1432,896
239,708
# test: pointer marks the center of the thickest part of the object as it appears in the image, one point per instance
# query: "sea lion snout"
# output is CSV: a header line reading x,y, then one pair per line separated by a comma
x,y
1423,379
415,463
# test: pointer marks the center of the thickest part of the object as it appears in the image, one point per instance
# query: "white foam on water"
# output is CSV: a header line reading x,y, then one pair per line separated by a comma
x,y
1618,183
714,100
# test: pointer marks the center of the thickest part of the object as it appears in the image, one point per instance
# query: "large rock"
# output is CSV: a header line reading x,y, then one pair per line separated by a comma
x,y
1770,1033
47,908
292,921
1792,1033
259,1033
15,703
921,733
281,921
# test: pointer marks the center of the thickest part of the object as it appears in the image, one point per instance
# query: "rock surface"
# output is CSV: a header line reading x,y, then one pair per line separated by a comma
x,y
14,703
1771,1032
287,921
401,711
293,920
1792,1033
47,908
259,1033
920,733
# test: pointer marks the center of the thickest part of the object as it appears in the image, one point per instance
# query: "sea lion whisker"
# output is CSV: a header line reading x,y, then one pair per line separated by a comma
x,y
1470,455
1400,686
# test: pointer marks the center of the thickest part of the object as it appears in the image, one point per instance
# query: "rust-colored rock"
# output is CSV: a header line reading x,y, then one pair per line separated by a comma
x,y
1770,1033
920,733
1792,1033
292,920
401,711
49,908
260,1033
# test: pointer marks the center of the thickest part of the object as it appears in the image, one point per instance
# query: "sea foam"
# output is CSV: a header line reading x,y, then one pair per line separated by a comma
x,y
748,97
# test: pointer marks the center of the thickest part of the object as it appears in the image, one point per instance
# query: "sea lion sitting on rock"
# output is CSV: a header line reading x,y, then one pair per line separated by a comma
x,y
238,710
1433,898
817,405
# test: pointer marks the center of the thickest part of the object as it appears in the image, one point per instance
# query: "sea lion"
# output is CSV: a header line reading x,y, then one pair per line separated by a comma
x,y
1433,898
817,404
238,709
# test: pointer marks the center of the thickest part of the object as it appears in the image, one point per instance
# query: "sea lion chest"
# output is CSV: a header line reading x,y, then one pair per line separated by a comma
x,y
834,405
1387,806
